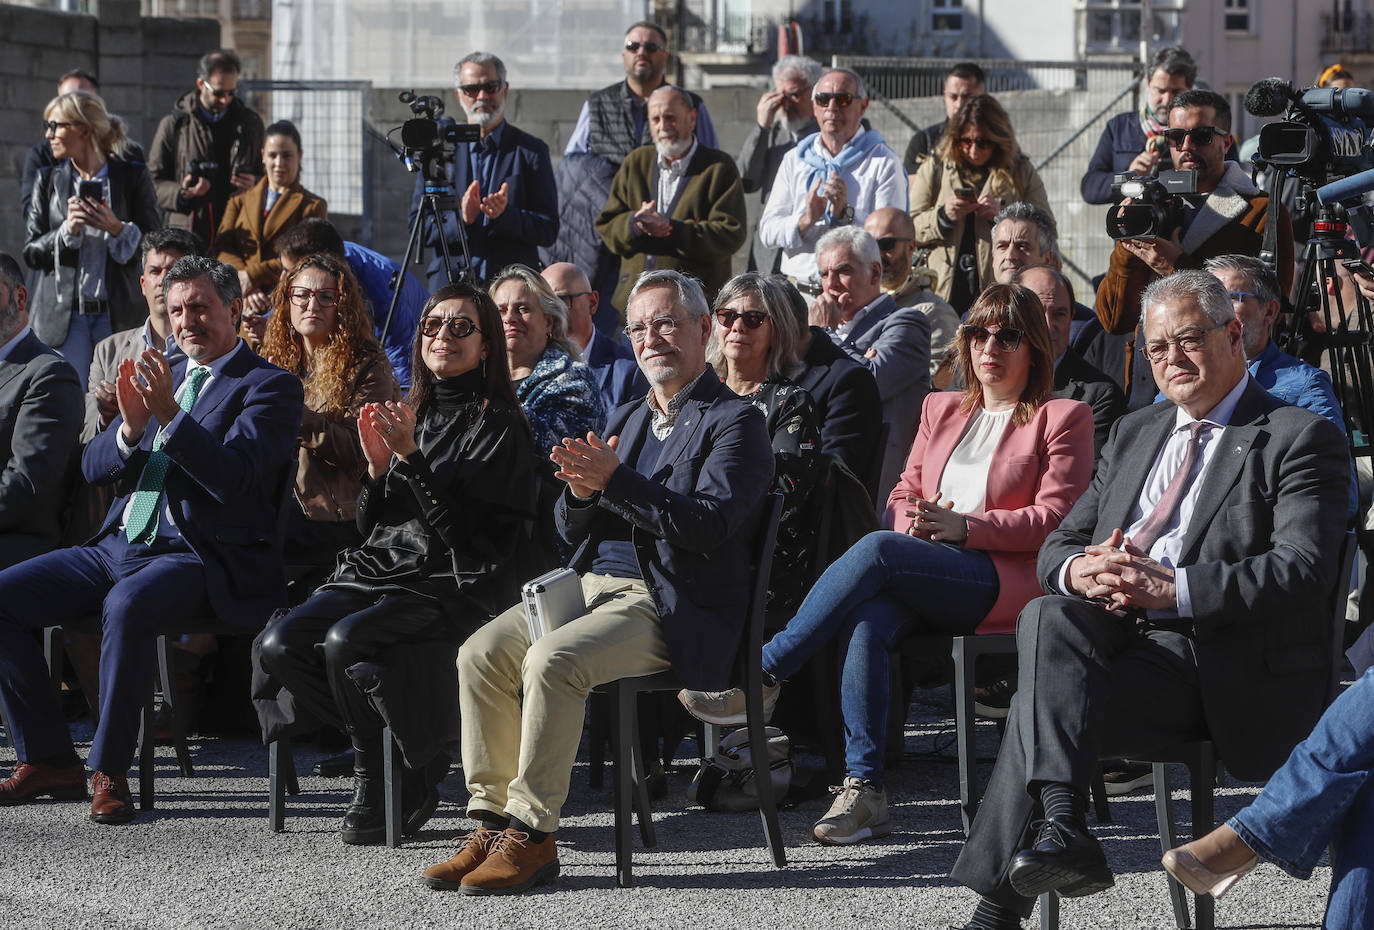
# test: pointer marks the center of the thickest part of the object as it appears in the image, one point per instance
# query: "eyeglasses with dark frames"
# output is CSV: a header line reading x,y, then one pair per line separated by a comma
x,y
325,296
753,319
1006,338
888,243
52,125
459,327
1188,343
569,297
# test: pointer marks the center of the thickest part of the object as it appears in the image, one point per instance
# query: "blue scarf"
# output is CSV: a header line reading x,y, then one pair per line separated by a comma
x,y
814,155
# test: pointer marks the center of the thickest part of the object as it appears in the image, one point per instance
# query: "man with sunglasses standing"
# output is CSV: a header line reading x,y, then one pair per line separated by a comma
x,y
207,149
1226,216
835,177
1188,594
895,234
504,182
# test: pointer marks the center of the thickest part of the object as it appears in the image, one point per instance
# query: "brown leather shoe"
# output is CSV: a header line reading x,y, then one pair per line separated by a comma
x,y
29,782
513,864
111,801
472,852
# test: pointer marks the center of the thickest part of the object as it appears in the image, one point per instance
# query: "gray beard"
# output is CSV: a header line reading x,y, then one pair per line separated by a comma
x,y
483,118
672,150
794,124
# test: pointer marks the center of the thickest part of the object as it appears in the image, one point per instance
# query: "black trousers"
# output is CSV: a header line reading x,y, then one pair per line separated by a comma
x,y
311,648
1091,684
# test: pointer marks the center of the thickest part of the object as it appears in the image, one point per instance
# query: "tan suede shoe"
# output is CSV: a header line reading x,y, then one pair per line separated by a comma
x,y
513,864
472,852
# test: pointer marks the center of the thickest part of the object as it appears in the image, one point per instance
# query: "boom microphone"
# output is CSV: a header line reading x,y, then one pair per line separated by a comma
x,y
1268,97
1345,189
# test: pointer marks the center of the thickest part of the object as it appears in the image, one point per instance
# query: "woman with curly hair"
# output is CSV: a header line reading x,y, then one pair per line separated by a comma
x,y
320,329
977,169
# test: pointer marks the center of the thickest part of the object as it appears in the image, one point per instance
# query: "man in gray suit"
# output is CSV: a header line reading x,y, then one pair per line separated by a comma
x,y
1187,586
890,341
40,417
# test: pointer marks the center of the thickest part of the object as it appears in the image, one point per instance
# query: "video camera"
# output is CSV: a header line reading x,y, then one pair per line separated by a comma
x,y
1326,131
1156,208
429,142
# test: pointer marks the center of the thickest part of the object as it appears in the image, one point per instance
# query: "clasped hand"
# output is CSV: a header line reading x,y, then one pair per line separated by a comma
x,y
586,465
1119,574
144,391
935,521
650,222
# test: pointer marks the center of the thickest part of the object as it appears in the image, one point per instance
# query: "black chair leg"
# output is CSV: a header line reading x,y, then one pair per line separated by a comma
x,y
1202,774
1168,839
391,779
278,759
963,727
166,668
146,759
622,745
1049,911
1099,796
763,775
599,712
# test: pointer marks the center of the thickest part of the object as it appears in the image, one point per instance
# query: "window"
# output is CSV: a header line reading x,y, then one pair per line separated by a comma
x,y
1236,16
1113,26
946,15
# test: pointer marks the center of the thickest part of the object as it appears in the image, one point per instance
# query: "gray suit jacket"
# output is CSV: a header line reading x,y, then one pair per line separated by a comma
x,y
40,417
900,340
1261,554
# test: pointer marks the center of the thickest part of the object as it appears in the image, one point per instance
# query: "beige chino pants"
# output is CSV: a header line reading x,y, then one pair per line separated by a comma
x,y
518,759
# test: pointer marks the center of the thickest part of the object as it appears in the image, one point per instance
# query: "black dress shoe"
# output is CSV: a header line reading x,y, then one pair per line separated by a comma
x,y
420,793
364,823
335,766
1065,858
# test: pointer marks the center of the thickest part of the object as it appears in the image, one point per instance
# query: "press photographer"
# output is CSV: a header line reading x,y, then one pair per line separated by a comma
x,y
1226,216
503,181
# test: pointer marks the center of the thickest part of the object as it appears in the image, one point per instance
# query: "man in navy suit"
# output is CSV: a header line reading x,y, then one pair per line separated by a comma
x,y
658,517
198,453
508,203
609,359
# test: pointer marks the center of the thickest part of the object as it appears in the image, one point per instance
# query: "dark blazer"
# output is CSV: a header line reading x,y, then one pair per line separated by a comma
x,y
1075,379
850,412
50,306
529,221
708,221
1261,558
224,484
40,422
691,523
617,372
247,238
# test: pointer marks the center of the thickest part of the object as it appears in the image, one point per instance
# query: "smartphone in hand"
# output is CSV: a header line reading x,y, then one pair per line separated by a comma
x,y
91,190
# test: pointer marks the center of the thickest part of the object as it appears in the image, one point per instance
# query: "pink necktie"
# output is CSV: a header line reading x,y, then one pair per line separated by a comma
x,y
1167,506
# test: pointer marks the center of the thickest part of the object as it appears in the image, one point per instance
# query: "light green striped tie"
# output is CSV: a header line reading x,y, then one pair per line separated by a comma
x,y
142,523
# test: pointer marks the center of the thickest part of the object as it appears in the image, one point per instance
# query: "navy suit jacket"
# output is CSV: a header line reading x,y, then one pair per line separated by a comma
x,y
529,221
691,523
224,486
617,373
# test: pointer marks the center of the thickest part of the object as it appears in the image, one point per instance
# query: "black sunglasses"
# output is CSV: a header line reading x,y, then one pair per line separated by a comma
x,y
459,327
1201,135
650,47
52,125
752,318
231,92
888,243
472,90
840,100
1008,340
795,94
981,144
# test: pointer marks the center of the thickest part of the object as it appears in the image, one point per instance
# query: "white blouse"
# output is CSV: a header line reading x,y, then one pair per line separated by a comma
x,y
965,478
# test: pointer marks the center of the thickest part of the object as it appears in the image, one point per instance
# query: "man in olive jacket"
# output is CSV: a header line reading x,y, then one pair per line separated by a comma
x,y
674,205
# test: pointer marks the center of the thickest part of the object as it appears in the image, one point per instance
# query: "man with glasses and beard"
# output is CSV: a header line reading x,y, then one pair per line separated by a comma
x,y
1225,217
833,178
504,182
674,205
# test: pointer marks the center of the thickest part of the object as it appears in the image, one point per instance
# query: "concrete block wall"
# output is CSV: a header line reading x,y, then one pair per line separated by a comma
x,y
143,65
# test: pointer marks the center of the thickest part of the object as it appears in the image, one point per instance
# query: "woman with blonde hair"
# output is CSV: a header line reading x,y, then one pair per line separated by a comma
x,y
977,169
87,215
320,329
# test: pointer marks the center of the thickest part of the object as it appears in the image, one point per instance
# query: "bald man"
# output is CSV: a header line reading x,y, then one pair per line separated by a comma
x,y
910,287
614,364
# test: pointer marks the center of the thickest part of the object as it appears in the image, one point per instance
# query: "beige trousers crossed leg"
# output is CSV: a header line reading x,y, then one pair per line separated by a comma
x,y
518,759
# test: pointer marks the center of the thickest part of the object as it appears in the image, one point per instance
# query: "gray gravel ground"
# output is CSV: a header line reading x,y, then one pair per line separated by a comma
x,y
205,858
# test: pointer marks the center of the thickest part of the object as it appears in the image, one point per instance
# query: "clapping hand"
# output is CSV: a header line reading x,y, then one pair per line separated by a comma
x,y
650,222
586,466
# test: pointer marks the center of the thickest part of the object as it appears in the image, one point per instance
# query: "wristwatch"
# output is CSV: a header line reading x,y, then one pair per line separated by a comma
x,y
846,215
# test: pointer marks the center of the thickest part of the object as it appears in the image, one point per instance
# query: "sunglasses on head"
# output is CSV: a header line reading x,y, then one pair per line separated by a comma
x,y
650,47
472,90
1008,340
752,318
1201,135
459,327
888,243
840,100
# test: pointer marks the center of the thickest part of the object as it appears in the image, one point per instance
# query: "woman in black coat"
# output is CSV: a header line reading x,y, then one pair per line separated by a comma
x,y
445,505
87,216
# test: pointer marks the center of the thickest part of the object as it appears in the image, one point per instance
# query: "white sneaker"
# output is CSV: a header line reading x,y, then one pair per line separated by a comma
x,y
726,708
858,813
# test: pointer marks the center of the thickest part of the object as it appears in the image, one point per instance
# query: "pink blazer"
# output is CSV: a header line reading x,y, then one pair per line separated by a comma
x,y
1037,473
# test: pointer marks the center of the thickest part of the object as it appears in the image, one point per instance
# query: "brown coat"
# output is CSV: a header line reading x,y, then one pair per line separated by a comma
x,y
330,461
933,184
246,237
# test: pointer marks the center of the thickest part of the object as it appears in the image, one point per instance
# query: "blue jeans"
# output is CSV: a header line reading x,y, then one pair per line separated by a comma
x,y
885,587
1322,795
85,330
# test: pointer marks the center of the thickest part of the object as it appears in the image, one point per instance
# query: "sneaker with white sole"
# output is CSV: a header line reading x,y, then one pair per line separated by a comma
x,y
858,813
726,708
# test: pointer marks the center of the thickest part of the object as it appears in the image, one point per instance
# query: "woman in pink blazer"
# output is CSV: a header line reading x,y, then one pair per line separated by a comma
x,y
992,471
